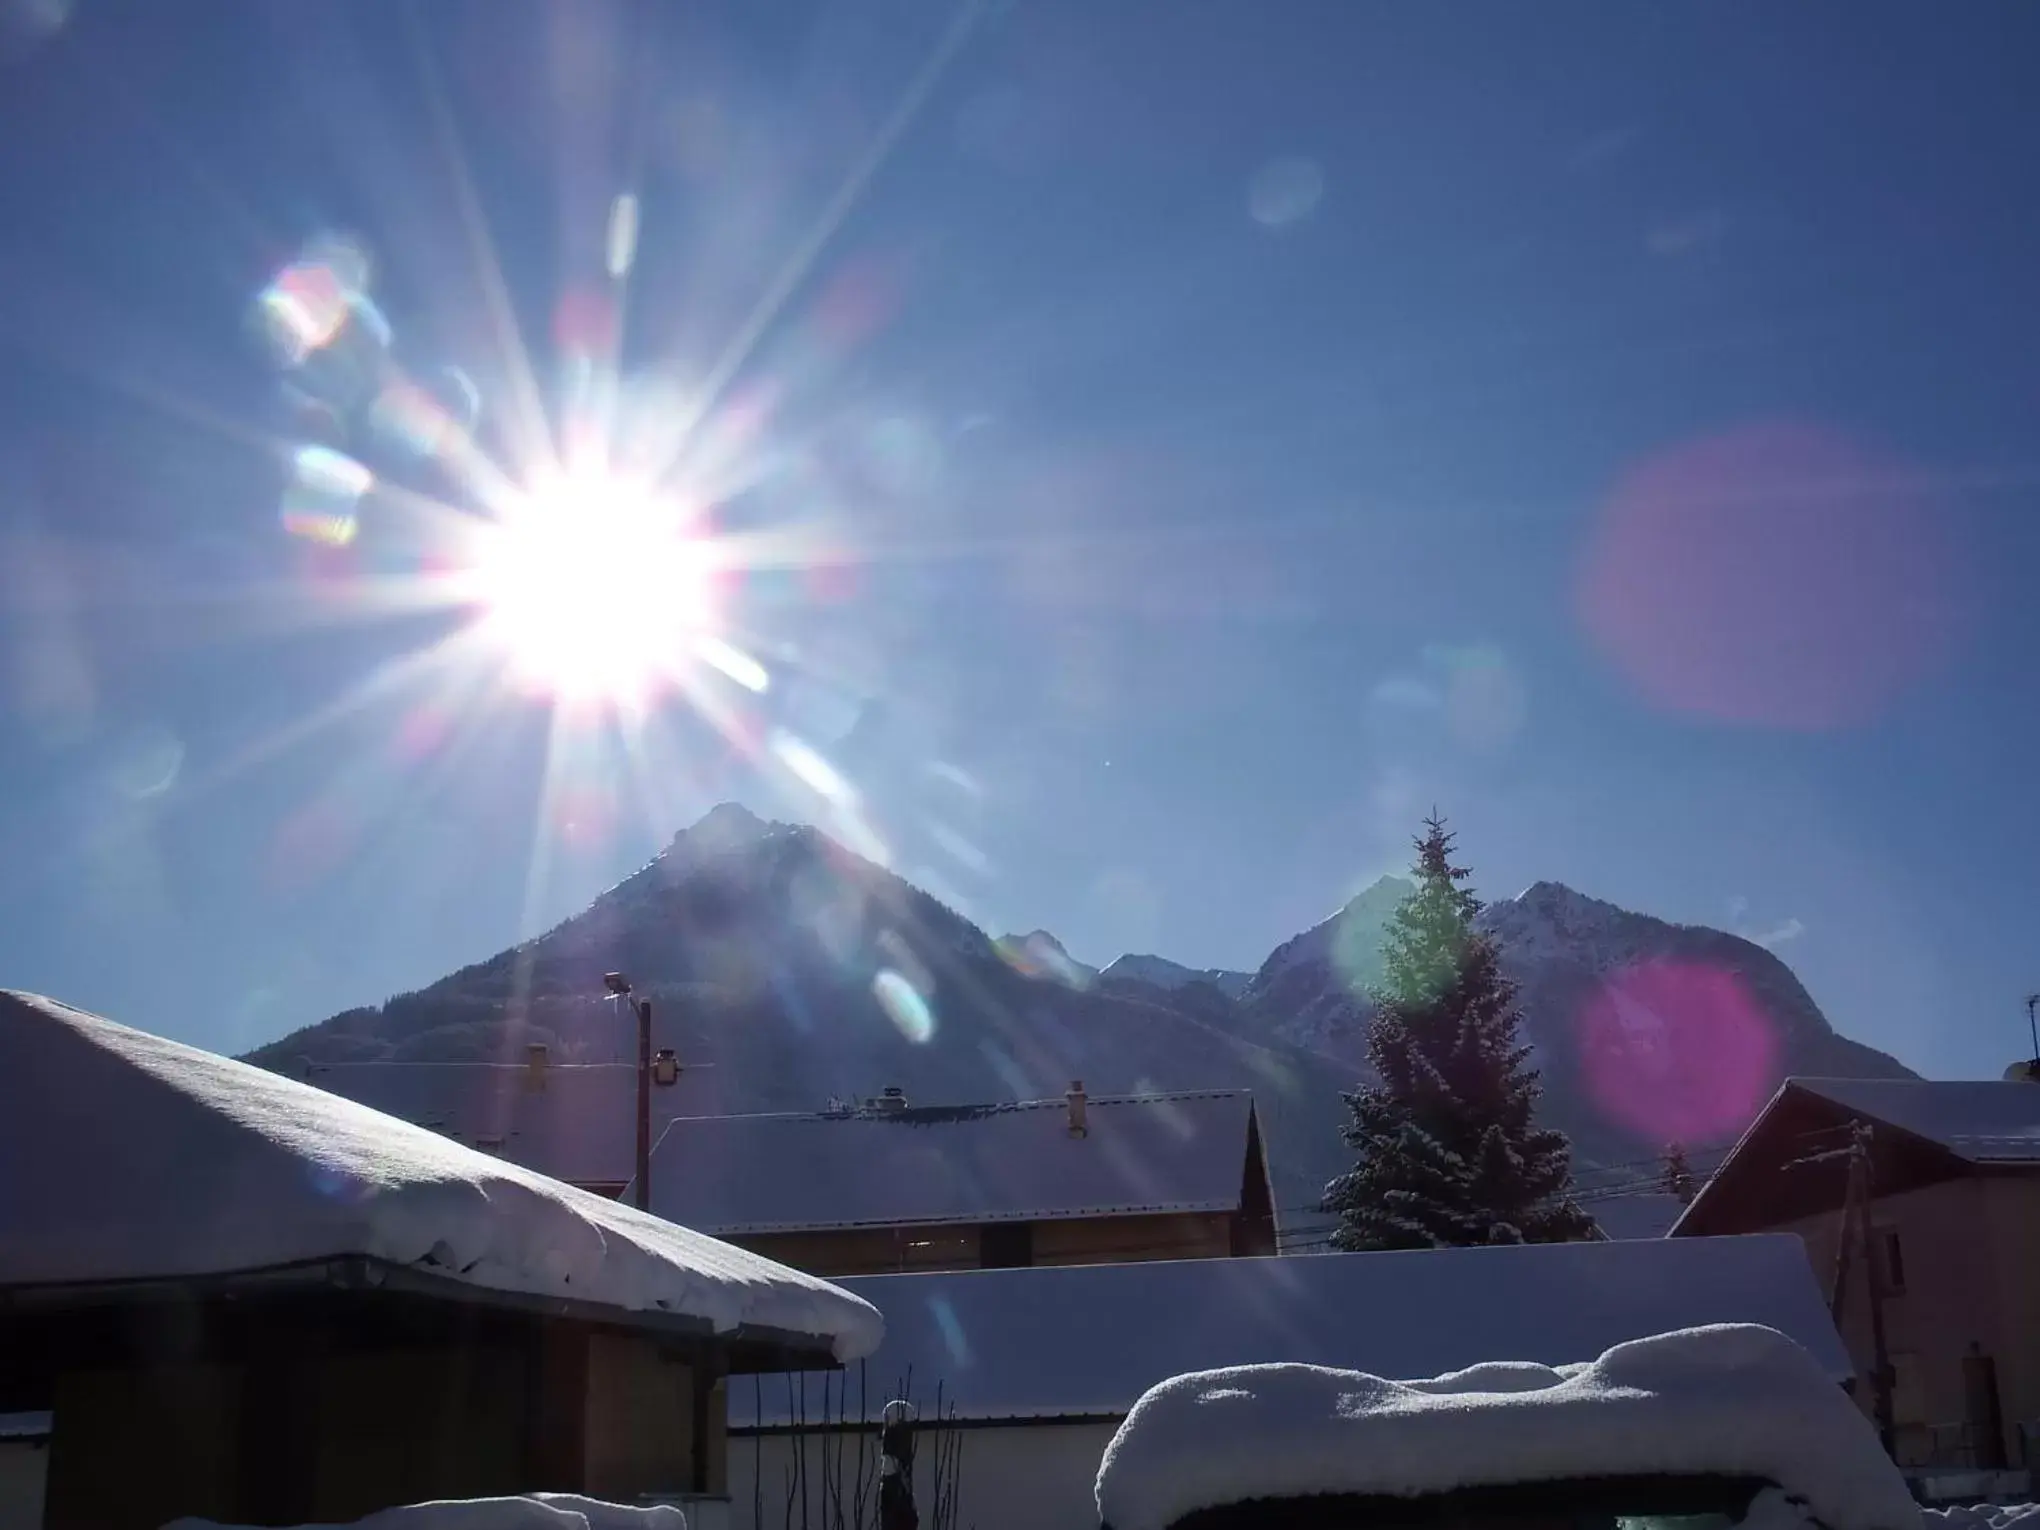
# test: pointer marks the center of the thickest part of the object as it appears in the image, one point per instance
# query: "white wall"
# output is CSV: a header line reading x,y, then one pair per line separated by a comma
x,y
1017,1476
23,1466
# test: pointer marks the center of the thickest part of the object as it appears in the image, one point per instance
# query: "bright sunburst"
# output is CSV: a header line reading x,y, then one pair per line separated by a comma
x,y
569,516
594,587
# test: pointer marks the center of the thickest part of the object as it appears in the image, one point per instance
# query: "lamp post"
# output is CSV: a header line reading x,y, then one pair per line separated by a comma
x,y
619,987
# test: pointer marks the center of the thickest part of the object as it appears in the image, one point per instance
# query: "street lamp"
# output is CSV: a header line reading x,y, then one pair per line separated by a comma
x,y
619,988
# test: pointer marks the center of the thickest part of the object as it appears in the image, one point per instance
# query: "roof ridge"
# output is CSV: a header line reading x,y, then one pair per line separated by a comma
x,y
423,1062
918,1114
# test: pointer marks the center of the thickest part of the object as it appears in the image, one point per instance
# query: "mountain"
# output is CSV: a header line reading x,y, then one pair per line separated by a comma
x,y
1644,1030
786,970
1042,955
1160,972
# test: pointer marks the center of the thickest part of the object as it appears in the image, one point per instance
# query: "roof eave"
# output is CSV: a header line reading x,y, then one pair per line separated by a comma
x,y
358,1273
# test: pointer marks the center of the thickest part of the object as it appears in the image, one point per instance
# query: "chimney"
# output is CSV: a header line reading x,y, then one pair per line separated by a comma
x,y
891,1100
534,1065
1078,1102
666,1067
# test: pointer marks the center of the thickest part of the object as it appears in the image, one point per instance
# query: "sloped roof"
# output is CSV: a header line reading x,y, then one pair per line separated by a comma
x,y
980,1163
1983,1122
1087,1340
178,1163
573,1121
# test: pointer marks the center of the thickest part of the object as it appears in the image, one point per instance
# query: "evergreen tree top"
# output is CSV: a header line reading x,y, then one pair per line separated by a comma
x,y
1447,1148
1430,937
1434,857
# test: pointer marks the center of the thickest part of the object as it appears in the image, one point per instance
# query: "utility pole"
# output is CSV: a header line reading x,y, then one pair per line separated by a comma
x,y
644,1104
1854,1244
619,987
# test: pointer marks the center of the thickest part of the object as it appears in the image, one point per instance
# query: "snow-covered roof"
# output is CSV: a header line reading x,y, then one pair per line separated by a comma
x,y
175,1163
976,1163
532,1511
523,1512
1087,1340
1984,1122
1732,1401
573,1121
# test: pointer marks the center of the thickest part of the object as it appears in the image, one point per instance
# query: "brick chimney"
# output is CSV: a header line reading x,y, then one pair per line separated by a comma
x,y
1078,1102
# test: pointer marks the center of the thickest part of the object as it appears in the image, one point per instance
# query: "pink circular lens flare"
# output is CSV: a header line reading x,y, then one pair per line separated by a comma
x,y
1677,1052
1778,575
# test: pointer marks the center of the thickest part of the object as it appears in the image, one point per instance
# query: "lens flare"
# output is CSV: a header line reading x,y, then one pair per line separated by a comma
x,y
595,588
304,309
1778,575
622,241
735,663
1677,1051
904,1006
320,502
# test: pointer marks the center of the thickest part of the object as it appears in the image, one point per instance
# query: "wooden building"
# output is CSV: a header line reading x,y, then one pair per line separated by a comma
x,y
1953,1229
890,1186
254,1302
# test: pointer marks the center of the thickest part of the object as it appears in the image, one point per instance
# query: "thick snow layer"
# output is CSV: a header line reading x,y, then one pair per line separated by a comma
x,y
125,1156
1729,1400
540,1511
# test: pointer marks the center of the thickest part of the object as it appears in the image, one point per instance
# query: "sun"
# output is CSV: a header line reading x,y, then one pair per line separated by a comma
x,y
595,588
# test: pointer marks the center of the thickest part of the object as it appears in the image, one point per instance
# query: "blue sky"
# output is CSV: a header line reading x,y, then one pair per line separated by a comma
x,y
1190,441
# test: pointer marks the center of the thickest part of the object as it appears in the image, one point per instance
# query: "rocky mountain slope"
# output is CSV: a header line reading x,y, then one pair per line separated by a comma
x,y
786,971
1160,972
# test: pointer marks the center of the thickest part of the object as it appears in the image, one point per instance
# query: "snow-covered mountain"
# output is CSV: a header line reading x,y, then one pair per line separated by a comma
x,y
786,970
800,971
1160,972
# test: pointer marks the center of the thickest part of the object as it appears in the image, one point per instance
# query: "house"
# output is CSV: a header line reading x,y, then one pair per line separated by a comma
x,y
574,1121
1954,1224
1035,1368
253,1301
893,1186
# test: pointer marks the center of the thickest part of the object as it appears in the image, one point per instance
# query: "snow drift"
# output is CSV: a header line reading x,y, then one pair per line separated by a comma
x,y
1730,1400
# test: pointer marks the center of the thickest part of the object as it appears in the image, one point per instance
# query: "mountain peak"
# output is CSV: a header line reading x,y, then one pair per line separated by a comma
x,y
1040,954
725,821
1160,972
1383,894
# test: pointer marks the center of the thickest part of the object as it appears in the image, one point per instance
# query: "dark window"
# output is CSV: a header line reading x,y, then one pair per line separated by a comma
x,y
1007,1245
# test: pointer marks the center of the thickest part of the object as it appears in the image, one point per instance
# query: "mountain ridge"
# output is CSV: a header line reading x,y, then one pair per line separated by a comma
x,y
801,971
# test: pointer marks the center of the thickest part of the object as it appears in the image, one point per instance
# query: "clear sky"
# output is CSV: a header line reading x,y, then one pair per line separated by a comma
x,y
1147,454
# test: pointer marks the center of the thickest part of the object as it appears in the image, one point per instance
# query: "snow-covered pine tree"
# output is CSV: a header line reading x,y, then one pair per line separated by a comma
x,y
1676,1177
1448,1151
